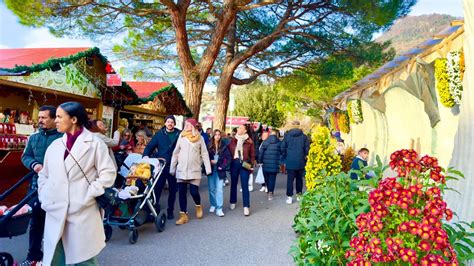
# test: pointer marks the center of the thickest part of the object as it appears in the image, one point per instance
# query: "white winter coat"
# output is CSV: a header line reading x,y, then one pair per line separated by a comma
x,y
188,158
72,213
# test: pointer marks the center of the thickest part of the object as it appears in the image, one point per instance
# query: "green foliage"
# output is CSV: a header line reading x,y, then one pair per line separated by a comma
x,y
257,101
461,237
326,221
306,91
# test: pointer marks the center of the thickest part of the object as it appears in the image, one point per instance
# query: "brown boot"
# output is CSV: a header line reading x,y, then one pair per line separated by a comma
x,y
183,218
199,212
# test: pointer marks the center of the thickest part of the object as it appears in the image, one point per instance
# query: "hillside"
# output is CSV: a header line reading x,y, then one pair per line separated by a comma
x,y
410,31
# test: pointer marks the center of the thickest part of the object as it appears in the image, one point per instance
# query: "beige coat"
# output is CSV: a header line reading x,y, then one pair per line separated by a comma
x,y
188,158
72,213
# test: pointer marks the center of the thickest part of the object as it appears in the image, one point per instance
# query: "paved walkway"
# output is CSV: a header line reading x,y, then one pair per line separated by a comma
x,y
263,238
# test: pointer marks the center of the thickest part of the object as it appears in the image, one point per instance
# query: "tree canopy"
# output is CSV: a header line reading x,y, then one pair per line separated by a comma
x,y
267,37
257,101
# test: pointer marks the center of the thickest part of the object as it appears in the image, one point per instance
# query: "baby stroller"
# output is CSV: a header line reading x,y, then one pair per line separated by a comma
x,y
139,209
14,225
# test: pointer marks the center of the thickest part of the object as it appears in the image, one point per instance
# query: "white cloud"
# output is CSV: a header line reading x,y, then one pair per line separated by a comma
x,y
42,38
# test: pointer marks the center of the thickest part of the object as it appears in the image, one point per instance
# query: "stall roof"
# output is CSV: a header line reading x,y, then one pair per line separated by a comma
x,y
166,92
399,61
145,88
10,58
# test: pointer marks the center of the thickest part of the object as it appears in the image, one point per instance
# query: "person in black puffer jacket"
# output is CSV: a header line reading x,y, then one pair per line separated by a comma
x,y
295,149
269,155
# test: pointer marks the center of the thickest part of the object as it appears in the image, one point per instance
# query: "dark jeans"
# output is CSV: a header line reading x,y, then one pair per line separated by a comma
x,y
36,232
270,179
183,191
165,176
237,170
292,175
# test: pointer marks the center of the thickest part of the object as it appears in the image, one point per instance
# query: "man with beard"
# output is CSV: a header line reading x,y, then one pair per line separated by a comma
x,y
32,158
162,146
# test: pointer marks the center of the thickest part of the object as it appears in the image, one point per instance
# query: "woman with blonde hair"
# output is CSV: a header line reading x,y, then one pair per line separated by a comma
x,y
142,141
188,156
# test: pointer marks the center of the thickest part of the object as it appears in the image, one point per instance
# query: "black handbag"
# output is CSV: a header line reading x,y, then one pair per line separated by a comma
x,y
105,200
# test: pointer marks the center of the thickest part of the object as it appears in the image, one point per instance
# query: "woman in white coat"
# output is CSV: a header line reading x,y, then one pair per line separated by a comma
x,y
188,156
77,168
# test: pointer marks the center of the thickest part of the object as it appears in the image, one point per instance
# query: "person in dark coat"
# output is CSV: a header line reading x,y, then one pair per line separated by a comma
x,y
33,158
162,146
295,149
220,159
269,155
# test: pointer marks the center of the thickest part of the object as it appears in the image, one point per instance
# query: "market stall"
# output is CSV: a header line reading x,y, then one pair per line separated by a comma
x,y
158,99
30,78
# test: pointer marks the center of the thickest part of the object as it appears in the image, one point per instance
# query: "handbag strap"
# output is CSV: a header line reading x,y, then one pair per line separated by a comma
x,y
77,163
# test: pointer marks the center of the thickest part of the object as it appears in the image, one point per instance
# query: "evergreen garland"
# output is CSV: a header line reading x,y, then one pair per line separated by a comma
x,y
53,62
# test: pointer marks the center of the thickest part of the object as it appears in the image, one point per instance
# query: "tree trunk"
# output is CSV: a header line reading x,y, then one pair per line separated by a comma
x,y
222,97
193,87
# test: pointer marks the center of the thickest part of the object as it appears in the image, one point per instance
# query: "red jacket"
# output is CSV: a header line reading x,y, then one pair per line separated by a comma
x,y
249,150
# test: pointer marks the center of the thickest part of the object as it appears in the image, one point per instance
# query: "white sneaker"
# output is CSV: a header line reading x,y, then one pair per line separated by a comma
x,y
232,206
266,189
246,211
212,209
263,189
289,200
298,197
220,213
226,181
250,188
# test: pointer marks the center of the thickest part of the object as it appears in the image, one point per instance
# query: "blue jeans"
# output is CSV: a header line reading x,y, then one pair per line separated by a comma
x,y
237,170
270,179
216,192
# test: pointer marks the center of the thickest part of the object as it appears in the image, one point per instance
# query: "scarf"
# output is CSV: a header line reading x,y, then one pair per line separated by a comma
x,y
71,139
240,145
189,135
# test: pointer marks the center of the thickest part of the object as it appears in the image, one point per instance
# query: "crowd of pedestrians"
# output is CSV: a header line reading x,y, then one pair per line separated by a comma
x,y
75,161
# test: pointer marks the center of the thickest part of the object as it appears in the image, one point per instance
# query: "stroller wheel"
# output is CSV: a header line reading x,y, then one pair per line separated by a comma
x,y
6,259
133,236
108,232
160,222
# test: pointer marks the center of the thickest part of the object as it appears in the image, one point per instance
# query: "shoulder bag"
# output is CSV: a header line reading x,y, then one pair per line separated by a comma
x,y
105,200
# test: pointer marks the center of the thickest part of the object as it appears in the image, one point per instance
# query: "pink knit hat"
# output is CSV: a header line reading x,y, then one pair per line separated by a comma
x,y
191,121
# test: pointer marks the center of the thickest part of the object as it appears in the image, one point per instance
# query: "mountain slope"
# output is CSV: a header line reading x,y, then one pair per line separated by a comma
x,y
410,31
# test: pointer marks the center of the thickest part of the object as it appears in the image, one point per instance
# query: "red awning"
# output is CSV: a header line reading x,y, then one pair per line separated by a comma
x,y
145,88
29,56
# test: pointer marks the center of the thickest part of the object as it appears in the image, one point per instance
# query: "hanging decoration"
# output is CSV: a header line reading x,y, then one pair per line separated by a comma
x,y
442,83
333,122
449,74
343,122
354,109
454,75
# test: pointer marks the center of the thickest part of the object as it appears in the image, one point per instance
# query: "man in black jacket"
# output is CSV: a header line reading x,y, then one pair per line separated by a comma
x,y
32,158
295,149
162,146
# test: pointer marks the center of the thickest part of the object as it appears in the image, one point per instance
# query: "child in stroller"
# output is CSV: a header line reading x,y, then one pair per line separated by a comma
x,y
135,199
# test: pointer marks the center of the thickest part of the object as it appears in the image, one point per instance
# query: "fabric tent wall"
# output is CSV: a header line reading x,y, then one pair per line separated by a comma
x,y
404,119
407,120
371,134
463,153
